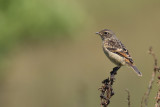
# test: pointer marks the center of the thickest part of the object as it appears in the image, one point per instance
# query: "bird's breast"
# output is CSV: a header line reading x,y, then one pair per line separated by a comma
x,y
115,58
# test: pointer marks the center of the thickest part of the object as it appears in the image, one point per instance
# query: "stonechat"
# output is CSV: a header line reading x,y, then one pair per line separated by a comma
x,y
116,51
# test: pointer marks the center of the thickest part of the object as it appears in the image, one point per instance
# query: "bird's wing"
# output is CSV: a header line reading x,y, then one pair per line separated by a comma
x,y
117,47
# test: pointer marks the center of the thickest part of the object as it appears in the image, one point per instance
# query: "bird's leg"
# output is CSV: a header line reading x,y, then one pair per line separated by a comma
x,y
115,69
113,73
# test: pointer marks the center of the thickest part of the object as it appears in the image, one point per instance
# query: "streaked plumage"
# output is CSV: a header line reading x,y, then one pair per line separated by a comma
x,y
116,51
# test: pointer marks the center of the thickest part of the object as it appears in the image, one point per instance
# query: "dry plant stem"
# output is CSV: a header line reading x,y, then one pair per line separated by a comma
x,y
158,99
128,98
146,95
106,88
158,94
149,88
142,100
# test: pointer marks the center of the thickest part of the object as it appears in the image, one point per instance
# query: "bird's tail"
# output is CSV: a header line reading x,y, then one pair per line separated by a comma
x,y
136,70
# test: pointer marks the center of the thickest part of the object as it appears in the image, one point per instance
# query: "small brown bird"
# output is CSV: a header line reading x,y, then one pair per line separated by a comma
x,y
116,51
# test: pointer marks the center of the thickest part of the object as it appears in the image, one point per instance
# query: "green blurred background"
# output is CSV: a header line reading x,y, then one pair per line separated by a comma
x,y
51,57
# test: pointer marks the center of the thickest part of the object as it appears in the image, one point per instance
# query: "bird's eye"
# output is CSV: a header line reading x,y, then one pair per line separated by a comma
x,y
106,33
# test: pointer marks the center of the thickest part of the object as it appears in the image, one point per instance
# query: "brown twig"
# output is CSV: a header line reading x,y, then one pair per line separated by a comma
x,y
143,99
149,88
157,99
106,88
147,93
156,68
128,98
158,94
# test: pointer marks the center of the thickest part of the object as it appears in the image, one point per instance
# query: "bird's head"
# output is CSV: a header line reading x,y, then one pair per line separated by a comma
x,y
105,34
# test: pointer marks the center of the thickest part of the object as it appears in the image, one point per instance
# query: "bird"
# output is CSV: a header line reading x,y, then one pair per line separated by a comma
x,y
116,51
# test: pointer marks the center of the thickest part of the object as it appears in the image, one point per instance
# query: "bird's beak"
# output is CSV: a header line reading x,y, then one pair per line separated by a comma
x,y
97,33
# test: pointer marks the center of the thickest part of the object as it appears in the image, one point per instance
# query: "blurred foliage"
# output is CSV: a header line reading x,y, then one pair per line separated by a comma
x,y
23,20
